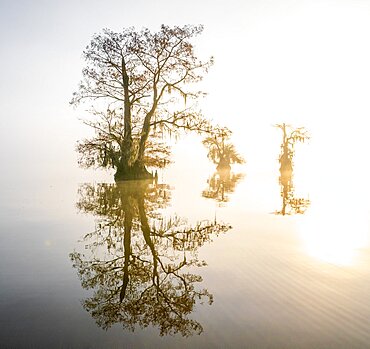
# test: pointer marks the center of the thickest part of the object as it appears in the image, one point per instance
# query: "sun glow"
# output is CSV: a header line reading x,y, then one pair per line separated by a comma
x,y
334,233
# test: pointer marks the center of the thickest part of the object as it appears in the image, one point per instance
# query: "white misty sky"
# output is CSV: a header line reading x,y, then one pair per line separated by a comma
x,y
303,62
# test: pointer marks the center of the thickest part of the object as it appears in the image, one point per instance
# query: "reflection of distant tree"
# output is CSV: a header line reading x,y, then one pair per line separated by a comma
x,y
138,263
220,184
291,204
291,136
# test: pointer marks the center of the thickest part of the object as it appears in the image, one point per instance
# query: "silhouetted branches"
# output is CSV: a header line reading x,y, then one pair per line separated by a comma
x,y
145,81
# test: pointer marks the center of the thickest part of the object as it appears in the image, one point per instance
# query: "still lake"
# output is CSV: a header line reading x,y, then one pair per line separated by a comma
x,y
195,260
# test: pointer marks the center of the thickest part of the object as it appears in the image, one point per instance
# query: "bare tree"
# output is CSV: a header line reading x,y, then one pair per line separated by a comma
x,y
145,84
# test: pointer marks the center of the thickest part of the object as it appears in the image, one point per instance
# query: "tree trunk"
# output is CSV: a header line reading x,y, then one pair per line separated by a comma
x,y
124,171
146,233
127,248
137,170
144,136
223,164
134,172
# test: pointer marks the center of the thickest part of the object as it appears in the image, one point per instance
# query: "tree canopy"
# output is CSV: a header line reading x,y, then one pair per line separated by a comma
x,y
143,86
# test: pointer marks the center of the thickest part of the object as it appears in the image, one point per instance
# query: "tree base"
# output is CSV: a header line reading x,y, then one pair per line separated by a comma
x,y
223,167
132,173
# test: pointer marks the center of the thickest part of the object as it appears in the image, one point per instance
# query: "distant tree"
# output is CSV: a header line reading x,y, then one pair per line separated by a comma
x,y
220,151
291,136
143,86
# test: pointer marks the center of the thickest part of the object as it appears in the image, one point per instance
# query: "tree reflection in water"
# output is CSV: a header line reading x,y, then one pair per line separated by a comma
x,y
138,263
290,204
220,184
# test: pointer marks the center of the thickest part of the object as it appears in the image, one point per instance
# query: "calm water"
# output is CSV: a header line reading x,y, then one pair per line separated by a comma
x,y
204,260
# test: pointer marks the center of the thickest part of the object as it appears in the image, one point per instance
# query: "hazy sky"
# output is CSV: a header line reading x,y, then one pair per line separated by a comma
x,y
303,62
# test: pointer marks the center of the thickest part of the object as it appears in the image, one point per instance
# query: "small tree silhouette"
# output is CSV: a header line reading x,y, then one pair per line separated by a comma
x,y
220,151
291,136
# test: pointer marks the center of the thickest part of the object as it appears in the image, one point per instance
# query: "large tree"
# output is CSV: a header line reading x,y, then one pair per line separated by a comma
x,y
143,87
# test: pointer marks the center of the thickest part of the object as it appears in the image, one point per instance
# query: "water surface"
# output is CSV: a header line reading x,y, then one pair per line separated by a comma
x,y
198,262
